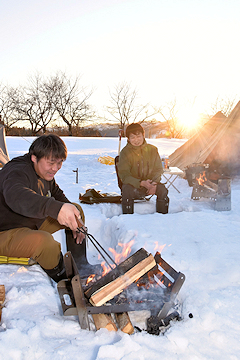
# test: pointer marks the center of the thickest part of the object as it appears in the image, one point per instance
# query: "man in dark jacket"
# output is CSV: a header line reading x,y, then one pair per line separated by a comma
x,y
140,170
32,206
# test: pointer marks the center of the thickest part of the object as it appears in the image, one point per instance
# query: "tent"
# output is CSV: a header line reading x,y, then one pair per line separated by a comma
x,y
217,144
4,157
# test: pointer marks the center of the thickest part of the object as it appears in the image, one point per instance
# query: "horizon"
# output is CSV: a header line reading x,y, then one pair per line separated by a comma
x,y
184,50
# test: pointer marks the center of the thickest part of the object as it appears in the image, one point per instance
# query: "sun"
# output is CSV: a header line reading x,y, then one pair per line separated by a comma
x,y
189,119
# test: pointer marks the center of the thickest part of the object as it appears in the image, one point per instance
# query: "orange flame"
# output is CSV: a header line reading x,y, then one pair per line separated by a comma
x,y
159,248
90,278
202,178
126,250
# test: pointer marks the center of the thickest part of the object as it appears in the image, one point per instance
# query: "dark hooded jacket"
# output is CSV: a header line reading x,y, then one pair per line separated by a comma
x,y
26,199
137,163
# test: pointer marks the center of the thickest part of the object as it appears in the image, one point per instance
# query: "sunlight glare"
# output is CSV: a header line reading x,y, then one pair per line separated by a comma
x,y
189,118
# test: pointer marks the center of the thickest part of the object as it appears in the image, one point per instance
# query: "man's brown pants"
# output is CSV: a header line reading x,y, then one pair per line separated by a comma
x,y
38,245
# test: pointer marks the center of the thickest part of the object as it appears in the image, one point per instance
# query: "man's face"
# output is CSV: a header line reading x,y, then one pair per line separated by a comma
x,y
136,139
46,168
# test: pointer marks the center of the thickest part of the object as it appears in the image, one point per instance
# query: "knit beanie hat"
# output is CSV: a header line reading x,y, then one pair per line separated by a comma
x,y
134,128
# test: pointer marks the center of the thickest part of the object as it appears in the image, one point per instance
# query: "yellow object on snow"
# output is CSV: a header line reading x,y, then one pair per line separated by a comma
x,y
15,260
107,160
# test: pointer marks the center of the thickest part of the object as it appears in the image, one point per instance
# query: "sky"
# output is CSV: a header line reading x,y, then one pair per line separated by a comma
x,y
165,49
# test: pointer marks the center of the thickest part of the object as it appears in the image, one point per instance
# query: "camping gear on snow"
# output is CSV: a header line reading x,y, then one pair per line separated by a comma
x,y
216,144
92,196
193,172
141,282
172,174
220,193
4,157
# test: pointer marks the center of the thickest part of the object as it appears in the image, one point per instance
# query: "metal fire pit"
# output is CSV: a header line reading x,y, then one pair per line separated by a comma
x,y
155,291
220,193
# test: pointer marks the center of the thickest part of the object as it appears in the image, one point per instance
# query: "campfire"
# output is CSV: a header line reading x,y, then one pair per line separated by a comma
x,y
219,192
140,282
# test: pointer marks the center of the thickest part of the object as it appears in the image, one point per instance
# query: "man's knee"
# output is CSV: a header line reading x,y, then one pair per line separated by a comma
x,y
161,191
47,250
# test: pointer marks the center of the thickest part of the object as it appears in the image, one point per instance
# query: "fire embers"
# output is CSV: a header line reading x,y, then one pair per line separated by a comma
x,y
202,178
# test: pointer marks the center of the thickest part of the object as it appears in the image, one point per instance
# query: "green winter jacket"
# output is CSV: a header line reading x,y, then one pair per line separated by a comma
x,y
137,163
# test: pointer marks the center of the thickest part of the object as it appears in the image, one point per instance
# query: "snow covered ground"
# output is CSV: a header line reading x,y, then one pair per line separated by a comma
x,y
200,242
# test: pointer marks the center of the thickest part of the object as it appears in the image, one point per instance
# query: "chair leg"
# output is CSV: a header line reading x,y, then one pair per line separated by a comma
x,y
128,206
162,205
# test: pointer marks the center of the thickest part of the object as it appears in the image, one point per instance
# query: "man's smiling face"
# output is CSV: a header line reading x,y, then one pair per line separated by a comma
x,y
136,139
46,168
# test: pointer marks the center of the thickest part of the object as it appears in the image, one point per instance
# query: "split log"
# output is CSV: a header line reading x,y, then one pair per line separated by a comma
x,y
2,298
124,323
122,268
104,321
99,295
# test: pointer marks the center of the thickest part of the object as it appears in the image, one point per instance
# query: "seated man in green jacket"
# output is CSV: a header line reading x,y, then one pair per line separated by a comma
x,y
139,170
32,207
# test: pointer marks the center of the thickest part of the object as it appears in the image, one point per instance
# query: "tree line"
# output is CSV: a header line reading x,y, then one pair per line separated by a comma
x,y
47,101
43,101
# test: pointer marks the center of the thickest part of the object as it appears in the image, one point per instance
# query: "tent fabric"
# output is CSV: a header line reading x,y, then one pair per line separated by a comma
x,y
4,157
216,144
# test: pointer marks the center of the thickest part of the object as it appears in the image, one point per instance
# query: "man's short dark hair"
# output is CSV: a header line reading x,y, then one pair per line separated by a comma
x,y
48,145
134,129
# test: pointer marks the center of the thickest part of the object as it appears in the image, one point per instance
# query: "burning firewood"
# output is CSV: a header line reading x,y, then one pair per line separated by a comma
x,y
119,278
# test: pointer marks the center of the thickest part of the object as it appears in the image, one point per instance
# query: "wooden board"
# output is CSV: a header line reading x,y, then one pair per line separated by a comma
x,y
2,298
113,288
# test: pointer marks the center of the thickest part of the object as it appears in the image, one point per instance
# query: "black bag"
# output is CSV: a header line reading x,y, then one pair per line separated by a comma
x,y
92,196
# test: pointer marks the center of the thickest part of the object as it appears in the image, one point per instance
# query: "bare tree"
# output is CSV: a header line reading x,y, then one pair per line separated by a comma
x,y
123,107
223,105
69,101
7,108
34,104
169,113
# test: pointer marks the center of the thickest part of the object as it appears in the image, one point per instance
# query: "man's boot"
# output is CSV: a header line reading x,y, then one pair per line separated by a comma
x,y
79,255
162,205
127,206
58,273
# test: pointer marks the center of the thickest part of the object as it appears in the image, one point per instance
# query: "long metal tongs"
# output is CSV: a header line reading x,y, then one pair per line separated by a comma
x,y
98,246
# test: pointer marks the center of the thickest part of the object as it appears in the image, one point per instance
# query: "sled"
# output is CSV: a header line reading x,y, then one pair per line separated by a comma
x,y
107,160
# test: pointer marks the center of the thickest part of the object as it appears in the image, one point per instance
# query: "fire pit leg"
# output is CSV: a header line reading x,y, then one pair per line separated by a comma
x,y
80,303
